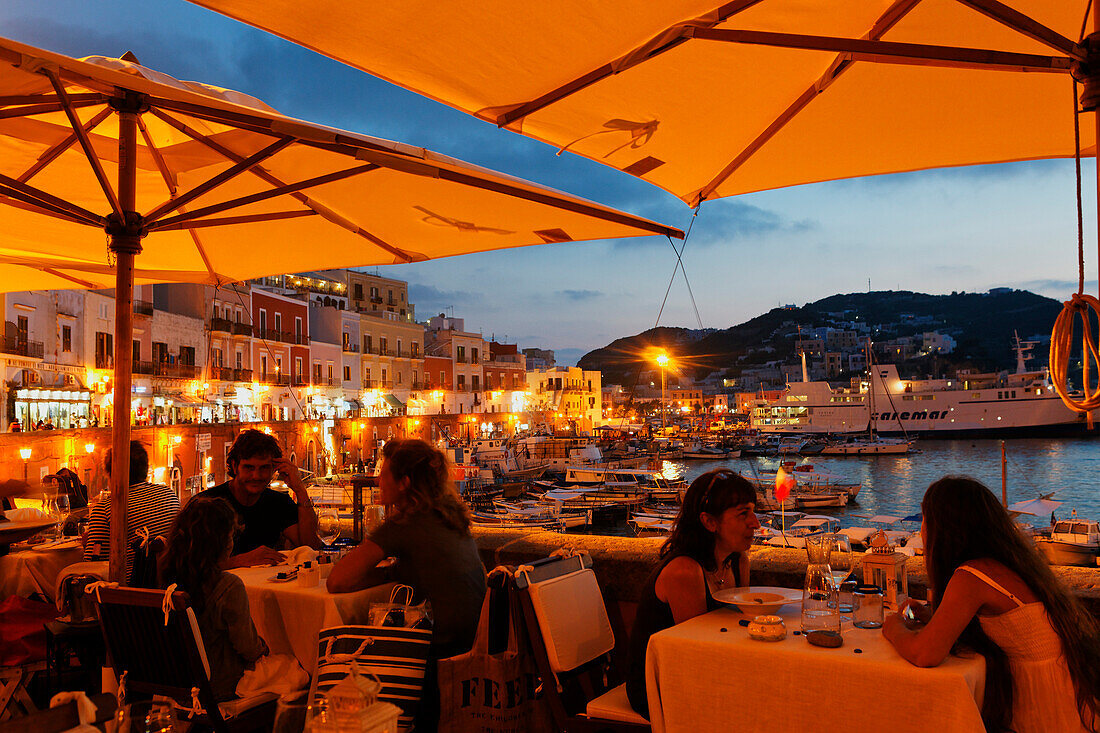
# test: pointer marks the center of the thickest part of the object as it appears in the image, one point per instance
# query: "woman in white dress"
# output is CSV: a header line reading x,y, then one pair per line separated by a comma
x,y
995,594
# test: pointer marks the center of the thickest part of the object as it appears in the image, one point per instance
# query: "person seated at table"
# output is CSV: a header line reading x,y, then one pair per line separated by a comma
x,y
995,594
706,551
267,517
198,546
427,529
150,510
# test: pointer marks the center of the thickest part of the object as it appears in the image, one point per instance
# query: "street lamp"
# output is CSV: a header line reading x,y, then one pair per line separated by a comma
x,y
662,361
25,454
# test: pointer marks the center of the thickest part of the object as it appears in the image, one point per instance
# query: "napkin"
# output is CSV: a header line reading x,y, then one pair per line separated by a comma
x,y
28,514
85,708
299,555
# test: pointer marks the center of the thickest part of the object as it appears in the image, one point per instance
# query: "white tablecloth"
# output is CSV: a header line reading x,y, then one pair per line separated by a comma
x,y
35,571
700,678
289,616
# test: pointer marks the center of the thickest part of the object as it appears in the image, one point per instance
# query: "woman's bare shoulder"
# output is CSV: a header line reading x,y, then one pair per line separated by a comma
x,y
682,568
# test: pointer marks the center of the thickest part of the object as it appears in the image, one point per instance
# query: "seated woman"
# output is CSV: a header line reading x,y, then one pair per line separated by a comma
x,y
707,551
995,594
200,541
427,529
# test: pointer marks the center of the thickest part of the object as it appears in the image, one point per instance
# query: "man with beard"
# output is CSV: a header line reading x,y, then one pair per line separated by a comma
x,y
266,516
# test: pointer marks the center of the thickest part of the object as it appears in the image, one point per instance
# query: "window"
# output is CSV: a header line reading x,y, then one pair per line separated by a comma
x,y
382,346
399,347
66,338
374,292
297,367
278,365
473,356
239,360
366,343
160,352
461,382
443,379
329,372
414,378
357,291
238,315
474,382
384,378
316,372
415,349
21,327
187,355
347,373
263,323
263,366
216,358
366,377
298,329
460,354
488,381
397,378
278,321
137,351
347,341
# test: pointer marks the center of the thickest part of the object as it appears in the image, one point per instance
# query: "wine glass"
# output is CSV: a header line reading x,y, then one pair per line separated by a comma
x,y
328,525
59,509
291,713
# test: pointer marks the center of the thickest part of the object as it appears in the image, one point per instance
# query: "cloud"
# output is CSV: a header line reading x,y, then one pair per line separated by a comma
x,y
429,299
579,294
724,221
1064,287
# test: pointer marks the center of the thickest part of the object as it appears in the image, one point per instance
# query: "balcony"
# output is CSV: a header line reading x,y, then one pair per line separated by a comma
x,y
351,348
275,379
102,361
143,307
241,329
267,334
299,338
300,381
220,324
22,347
221,374
376,300
242,375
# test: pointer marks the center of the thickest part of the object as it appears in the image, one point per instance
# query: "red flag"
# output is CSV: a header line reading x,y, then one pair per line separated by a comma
x,y
784,482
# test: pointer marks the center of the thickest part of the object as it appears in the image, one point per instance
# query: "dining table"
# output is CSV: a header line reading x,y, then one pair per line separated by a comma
x,y
35,569
289,616
707,673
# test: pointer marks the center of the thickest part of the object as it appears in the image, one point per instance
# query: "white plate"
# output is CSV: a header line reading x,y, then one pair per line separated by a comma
x,y
758,600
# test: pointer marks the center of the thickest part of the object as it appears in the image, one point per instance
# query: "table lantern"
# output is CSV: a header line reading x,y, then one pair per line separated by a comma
x,y
886,568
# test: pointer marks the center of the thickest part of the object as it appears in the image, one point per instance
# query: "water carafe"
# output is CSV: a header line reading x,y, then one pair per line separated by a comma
x,y
819,593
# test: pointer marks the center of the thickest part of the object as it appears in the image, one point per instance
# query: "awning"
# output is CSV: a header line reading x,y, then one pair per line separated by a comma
x,y
393,401
184,400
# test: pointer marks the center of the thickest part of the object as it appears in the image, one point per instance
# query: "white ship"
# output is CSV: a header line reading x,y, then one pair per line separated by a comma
x,y
1023,404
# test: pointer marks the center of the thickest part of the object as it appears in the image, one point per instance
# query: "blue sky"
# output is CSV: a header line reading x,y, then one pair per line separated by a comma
x,y
961,229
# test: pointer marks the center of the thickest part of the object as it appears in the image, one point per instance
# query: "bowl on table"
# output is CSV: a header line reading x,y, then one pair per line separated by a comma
x,y
758,600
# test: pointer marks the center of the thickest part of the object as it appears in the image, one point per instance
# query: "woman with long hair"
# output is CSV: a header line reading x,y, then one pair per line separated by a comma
x,y
427,529
706,552
199,544
994,594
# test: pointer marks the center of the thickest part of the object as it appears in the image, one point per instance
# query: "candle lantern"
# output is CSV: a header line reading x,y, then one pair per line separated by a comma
x,y
885,568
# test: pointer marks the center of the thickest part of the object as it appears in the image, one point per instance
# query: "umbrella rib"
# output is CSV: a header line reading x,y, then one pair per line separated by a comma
x,y
32,204
171,221
263,175
40,109
657,45
158,158
238,168
13,99
63,276
1027,26
86,144
50,155
898,10
242,219
40,197
893,52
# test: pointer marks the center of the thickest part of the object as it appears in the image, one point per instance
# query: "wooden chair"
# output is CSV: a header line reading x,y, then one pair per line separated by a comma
x,y
61,718
572,641
167,657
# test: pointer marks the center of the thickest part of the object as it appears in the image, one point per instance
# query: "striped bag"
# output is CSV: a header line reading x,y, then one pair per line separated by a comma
x,y
396,656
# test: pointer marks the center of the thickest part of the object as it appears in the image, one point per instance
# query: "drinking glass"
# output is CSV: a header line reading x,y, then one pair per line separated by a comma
x,y
59,510
328,525
819,599
840,557
295,714
868,607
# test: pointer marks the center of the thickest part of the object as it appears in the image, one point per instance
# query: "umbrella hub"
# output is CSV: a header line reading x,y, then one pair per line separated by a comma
x,y
126,235
1087,72
128,101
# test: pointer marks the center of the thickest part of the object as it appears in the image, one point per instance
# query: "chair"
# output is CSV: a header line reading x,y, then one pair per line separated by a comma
x,y
61,718
143,572
572,640
166,657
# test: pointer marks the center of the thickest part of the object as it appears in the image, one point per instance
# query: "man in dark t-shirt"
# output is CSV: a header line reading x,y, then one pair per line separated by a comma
x,y
266,516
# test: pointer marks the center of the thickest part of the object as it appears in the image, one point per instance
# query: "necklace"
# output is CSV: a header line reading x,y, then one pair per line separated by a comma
x,y
719,576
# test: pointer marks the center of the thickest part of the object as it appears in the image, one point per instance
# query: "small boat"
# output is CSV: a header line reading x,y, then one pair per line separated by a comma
x,y
865,446
1072,542
820,500
702,452
795,534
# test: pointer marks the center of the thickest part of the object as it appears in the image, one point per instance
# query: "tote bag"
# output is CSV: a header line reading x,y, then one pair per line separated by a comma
x,y
483,692
397,656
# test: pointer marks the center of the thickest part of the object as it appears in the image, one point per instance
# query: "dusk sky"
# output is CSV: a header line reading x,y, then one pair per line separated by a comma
x,y
967,229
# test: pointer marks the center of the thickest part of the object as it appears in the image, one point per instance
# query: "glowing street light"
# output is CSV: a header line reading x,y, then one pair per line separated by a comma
x,y
662,361
25,454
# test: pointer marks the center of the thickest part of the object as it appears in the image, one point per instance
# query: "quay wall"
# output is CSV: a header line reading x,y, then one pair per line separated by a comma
x,y
622,565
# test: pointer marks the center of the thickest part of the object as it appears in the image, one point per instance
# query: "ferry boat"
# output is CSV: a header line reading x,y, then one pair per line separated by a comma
x,y
1022,404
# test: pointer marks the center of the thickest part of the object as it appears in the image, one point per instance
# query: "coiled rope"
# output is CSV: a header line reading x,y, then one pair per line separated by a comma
x,y
1085,306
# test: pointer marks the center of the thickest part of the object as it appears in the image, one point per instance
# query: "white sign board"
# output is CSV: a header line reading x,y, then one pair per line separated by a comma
x,y
202,442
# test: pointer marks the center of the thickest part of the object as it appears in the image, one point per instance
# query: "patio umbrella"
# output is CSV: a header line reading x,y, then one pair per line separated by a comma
x,y
1039,507
211,185
708,100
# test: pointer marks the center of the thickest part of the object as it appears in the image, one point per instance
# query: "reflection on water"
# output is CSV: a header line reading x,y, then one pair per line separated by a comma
x,y
895,484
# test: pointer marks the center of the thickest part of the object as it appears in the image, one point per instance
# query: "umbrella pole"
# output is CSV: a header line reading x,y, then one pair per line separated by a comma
x,y
125,244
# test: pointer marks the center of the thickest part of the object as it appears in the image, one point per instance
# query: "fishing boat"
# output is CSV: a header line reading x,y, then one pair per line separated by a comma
x,y
794,535
808,482
497,455
703,452
866,446
653,521
1072,542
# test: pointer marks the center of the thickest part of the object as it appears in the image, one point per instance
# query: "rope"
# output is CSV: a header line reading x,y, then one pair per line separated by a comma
x,y
351,657
166,603
1061,337
406,589
196,705
94,588
121,694
143,533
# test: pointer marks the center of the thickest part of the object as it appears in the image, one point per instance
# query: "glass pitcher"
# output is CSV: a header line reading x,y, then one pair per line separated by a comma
x,y
819,592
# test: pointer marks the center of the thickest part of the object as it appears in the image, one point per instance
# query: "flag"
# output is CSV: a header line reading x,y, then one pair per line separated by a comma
x,y
784,482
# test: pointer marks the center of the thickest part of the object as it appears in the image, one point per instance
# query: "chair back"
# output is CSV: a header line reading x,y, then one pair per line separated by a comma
x,y
570,633
143,572
160,653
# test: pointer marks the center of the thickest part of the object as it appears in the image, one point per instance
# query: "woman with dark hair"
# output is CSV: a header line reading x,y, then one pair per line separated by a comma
x,y
200,543
707,551
995,594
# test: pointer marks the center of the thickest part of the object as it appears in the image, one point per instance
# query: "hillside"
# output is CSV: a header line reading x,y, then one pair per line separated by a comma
x,y
982,325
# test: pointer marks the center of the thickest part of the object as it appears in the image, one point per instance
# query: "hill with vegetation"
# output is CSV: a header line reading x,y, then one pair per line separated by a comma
x,y
983,326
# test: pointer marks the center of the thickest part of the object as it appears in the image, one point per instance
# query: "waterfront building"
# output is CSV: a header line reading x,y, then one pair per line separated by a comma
x,y
447,337
572,395
539,358
372,293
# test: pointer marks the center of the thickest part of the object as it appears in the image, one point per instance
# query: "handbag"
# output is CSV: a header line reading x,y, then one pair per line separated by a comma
x,y
396,655
494,692
23,630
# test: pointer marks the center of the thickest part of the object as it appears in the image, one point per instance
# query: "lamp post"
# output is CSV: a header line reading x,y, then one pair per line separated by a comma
x,y
25,454
662,361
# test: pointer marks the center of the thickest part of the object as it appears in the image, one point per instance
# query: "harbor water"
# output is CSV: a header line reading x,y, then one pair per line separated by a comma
x,y
894,485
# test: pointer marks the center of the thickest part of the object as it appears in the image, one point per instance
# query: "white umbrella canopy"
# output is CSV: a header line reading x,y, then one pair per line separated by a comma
x,y
708,100
1039,507
198,184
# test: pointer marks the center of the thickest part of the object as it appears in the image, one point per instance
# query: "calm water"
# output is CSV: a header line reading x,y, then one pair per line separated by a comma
x,y
895,484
